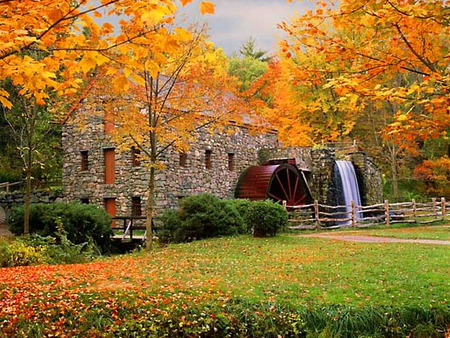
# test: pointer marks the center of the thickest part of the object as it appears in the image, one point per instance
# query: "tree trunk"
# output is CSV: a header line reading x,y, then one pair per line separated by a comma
x,y
394,172
27,201
150,210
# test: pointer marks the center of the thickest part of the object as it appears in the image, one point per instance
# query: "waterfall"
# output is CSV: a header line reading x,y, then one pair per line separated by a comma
x,y
350,188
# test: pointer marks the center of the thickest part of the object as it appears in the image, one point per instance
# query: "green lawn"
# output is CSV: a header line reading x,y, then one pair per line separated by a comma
x,y
286,286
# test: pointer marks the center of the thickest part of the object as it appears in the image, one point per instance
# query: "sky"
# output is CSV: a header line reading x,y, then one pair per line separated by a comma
x,y
235,21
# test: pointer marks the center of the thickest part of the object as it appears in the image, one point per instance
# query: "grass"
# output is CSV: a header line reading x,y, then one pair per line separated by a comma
x,y
289,271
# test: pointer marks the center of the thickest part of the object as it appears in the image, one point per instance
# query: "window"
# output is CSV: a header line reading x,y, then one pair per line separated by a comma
x,y
230,161
84,200
84,160
135,157
110,166
183,159
110,207
208,162
136,208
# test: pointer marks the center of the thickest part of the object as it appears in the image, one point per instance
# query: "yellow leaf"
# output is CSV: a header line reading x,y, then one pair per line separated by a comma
x,y
120,83
152,67
87,63
206,7
5,103
185,2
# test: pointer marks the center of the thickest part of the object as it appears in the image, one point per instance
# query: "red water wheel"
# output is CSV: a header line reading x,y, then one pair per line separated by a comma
x,y
282,182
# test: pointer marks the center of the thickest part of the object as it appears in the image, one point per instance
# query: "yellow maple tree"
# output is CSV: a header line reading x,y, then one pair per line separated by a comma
x,y
180,90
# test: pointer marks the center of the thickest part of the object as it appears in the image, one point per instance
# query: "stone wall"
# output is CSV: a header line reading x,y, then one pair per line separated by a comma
x,y
17,198
369,176
173,182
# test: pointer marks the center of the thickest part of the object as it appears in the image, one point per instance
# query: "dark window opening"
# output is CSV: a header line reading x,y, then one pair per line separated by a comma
x,y
231,162
208,161
84,160
136,207
183,159
84,200
136,157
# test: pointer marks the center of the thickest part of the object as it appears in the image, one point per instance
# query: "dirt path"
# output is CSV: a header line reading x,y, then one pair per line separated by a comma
x,y
375,239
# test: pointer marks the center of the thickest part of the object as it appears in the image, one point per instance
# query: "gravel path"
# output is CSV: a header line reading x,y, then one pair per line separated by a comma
x,y
374,239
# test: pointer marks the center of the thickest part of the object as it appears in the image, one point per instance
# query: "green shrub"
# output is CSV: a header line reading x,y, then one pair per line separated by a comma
x,y
82,222
241,206
200,216
171,227
266,218
205,215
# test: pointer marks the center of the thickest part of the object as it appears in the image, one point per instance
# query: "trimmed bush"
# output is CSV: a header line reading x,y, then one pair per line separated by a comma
x,y
82,222
200,216
266,218
241,206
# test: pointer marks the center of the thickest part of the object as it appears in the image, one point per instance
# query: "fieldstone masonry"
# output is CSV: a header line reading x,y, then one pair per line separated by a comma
x,y
229,152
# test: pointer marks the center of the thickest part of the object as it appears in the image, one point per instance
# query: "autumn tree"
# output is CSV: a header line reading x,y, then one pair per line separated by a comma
x,y
177,93
48,47
364,48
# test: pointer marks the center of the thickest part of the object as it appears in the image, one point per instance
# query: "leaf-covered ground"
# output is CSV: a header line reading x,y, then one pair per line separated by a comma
x,y
289,270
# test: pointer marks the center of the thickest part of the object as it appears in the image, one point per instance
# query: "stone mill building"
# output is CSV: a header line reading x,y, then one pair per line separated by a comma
x,y
234,162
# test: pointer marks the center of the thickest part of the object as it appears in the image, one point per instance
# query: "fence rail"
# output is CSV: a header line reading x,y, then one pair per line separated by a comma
x,y
8,185
317,216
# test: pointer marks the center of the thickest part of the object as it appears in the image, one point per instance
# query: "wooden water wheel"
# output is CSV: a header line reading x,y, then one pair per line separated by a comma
x,y
281,182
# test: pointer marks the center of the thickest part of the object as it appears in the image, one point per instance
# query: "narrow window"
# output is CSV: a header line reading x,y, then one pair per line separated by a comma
x,y
183,159
208,155
136,208
110,166
230,161
84,160
110,207
84,200
108,123
136,157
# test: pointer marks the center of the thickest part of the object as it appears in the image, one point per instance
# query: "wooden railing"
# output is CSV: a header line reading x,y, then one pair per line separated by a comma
x,y
8,185
316,215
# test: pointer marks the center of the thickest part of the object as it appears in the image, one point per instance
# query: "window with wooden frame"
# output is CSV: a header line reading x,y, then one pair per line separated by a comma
x,y
230,161
183,159
136,157
110,165
84,160
136,207
208,159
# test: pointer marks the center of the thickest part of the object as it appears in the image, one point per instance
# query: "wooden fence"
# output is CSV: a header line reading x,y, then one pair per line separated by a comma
x,y
317,216
8,185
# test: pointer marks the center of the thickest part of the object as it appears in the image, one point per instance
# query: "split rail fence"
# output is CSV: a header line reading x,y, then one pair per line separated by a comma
x,y
318,216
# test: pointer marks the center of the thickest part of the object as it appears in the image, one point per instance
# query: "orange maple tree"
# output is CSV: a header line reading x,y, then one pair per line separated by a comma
x,y
365,44
48,48
182,87
45,45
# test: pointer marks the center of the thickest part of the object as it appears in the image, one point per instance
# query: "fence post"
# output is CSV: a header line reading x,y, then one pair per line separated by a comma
x,y
316,213
386,212
7,187
443,211
353,214
414,210
434,207
284,204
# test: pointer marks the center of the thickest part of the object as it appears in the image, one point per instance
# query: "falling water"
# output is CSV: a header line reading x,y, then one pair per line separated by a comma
x,y
350,186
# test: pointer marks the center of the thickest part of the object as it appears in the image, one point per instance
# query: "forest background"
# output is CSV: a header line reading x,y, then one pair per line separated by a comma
x,y
372,72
